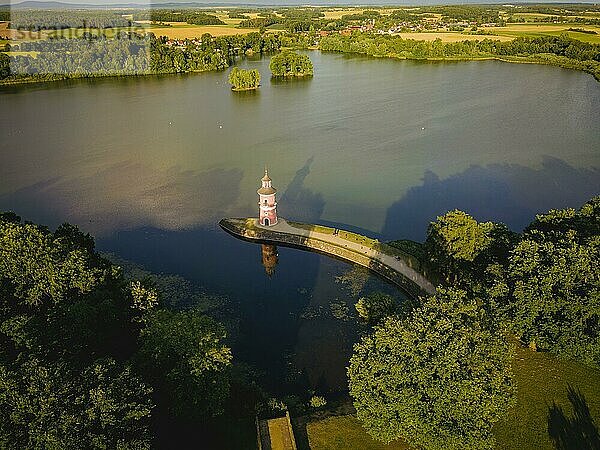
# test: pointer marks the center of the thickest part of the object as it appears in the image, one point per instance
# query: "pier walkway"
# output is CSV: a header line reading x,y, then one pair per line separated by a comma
x,y
391,263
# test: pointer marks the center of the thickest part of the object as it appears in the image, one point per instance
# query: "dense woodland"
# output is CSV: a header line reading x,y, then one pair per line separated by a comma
x,y
559,50
127,54
35,20
444,367
91,359
191,17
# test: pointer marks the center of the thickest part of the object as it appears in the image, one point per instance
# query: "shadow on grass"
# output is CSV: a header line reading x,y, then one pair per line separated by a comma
x,y
577,432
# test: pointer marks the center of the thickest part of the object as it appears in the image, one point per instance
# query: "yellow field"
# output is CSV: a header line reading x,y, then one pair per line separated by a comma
x,y
193,31
176,31
543,27
535,30
32,54
337,13
450,37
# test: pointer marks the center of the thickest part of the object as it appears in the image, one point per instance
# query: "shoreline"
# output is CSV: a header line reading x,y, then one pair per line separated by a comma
x,y
537,59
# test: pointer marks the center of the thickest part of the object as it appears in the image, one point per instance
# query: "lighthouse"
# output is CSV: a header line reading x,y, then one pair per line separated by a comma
x,y
267,206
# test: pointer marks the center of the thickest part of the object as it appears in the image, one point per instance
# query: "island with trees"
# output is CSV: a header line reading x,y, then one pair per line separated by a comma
x,y
291,64
33,43
244,80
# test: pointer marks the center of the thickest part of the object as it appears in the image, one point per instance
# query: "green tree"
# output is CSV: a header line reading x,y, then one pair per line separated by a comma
x,y
439,379
4,66
184,355
288,63
44,267
242,80
375,307
460,248
45,405
550,291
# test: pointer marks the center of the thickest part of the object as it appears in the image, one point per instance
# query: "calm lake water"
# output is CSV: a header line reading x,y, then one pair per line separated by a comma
x,y
150,165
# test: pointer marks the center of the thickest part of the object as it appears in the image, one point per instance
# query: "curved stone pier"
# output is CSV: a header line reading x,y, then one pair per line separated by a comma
x,y
391,263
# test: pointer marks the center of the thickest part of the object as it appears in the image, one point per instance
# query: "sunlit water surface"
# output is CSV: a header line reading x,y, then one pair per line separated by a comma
x,y
149,165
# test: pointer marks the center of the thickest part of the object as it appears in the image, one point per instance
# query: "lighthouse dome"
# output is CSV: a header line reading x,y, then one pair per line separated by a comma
x,y
266,190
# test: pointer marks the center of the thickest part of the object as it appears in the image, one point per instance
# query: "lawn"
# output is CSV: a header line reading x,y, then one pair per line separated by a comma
x,y
542,381
344,433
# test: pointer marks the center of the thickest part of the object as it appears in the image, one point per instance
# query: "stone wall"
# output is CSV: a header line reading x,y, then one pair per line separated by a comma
x,y
408,285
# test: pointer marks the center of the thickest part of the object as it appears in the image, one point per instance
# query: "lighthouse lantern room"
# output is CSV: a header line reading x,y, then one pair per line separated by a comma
x,y
267,205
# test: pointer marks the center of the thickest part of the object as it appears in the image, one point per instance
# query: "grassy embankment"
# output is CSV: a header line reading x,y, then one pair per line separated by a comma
x,y
542,380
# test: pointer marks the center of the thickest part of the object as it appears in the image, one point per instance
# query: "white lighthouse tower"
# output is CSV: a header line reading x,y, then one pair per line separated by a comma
x,y
267,205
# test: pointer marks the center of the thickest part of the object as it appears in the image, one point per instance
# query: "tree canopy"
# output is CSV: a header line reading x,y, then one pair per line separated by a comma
x,y
288,63
74,337
439,378
550,292
242,80
460,248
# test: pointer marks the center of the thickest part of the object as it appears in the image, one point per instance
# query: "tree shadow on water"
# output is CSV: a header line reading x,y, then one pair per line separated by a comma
x,y
509,193
577,432
300,202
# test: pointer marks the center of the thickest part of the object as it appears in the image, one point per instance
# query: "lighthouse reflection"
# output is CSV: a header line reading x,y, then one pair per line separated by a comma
x,y
269,258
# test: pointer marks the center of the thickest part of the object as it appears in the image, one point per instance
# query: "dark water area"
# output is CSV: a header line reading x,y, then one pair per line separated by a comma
x,y
149,166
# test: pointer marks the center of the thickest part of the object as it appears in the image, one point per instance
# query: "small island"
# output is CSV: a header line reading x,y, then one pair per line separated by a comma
x,y
244,80
291,64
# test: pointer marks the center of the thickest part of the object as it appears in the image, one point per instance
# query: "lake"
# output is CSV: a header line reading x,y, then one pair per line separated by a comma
x,y
149,165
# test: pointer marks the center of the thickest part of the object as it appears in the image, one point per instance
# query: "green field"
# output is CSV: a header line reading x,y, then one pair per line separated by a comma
x,y
542,380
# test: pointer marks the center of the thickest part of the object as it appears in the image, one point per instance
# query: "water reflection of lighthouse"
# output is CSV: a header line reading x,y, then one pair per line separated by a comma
x,y
269,258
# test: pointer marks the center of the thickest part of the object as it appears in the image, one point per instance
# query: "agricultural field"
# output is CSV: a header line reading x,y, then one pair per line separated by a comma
x,y
542,381
337,13
186,31
536,30
177,30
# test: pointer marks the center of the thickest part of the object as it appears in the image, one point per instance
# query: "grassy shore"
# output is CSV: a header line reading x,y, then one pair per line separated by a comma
x,y
542,381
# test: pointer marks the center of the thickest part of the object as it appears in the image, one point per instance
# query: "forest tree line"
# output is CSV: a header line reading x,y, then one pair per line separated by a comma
x,y
126,54
559,50
191,17
35,20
